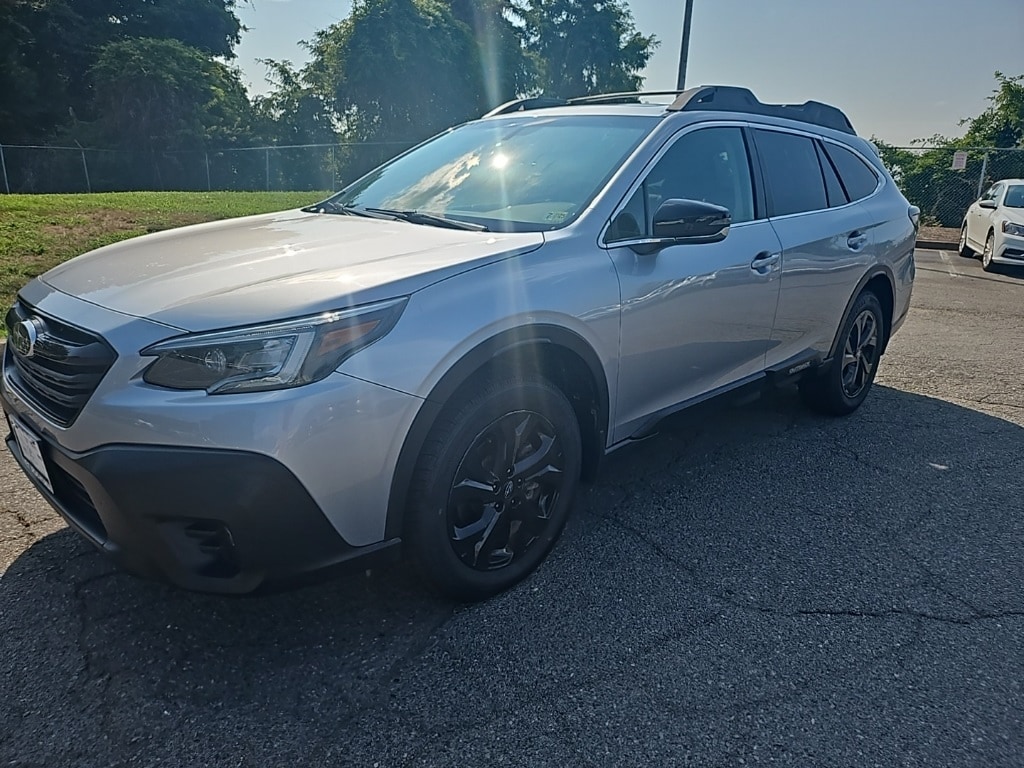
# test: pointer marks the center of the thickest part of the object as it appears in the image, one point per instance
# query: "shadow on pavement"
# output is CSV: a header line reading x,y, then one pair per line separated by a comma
x,y
746,575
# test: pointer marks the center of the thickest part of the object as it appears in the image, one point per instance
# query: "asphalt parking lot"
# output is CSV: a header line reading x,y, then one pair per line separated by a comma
x,y
753,586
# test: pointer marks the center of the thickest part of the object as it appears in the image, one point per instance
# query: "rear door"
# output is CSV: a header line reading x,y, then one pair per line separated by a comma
x,y
826,238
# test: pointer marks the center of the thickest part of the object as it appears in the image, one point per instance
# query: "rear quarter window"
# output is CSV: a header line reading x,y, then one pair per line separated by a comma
x,y
857,177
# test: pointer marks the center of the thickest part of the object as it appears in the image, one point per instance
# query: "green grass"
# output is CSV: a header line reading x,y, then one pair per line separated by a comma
x,y
38,232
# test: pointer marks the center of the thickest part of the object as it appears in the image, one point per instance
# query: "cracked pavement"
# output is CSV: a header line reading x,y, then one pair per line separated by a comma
x,y
754,585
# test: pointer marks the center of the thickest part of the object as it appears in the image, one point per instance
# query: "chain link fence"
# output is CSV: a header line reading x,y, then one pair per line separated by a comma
x,y
944,181
38,169
941,181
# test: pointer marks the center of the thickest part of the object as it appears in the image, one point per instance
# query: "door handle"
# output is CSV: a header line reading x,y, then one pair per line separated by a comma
x,y
765,262
856,241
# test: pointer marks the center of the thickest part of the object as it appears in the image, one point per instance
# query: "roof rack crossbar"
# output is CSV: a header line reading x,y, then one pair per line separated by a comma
x,y
724,98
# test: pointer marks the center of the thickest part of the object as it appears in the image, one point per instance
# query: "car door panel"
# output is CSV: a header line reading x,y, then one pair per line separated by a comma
x,y
820,270
694,317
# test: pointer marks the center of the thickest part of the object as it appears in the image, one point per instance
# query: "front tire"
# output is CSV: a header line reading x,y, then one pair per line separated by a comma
x,y
965,250
844,384
494,486
986,256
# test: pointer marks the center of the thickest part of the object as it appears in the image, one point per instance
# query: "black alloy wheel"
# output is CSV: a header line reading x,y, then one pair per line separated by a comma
x,y
494,486
841,386
860,353
504,490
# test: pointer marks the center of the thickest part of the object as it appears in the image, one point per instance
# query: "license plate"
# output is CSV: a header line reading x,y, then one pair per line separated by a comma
x,y
29,445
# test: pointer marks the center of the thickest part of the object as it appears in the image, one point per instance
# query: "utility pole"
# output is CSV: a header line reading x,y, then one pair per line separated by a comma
x,y
684,51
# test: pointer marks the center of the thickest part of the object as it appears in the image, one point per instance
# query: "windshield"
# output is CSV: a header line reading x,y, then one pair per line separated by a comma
x,y
1014,197
524,175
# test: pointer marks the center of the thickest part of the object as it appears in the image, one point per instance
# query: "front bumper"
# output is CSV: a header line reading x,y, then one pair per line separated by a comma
x,y
204,519
1008,249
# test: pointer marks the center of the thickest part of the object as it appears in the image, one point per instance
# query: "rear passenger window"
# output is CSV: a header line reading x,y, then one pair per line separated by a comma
x,y
794,177
857,177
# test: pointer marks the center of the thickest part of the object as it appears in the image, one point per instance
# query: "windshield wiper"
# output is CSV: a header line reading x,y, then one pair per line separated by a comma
x,y
329,206
431,219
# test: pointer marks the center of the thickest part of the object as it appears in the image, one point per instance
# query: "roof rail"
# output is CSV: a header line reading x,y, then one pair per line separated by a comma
x,y
712,98
522,105
600,98
725,98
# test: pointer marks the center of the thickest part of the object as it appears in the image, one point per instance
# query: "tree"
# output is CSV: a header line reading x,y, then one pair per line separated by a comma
x,y
162,94
585,46
1002,124
506,70
292,112
399,70
47,50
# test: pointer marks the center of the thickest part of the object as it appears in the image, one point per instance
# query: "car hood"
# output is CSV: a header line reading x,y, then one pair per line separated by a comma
x,y
274,266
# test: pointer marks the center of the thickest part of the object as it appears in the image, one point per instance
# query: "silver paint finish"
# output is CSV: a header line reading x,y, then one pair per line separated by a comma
x,y
340,436
667,327
274,266
694,318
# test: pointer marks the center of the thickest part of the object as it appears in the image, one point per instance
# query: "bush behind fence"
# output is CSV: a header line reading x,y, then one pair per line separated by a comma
x,y
925,174
39,169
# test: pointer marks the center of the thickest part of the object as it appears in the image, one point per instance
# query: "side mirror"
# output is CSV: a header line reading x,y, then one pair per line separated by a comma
x,y
691,221
987,204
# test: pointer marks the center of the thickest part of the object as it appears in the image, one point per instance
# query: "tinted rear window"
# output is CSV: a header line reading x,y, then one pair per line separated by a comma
x,y
858,179
793,174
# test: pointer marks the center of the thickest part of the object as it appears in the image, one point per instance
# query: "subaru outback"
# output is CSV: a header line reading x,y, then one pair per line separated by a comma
x,y
430,361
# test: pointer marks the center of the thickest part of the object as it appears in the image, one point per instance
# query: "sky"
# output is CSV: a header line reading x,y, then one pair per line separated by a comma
x,y
900,69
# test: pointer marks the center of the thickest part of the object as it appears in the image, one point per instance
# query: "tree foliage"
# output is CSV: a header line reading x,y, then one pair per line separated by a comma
x,y
49,48
585,47
1002,124
395,70
163,94
403,69
143,73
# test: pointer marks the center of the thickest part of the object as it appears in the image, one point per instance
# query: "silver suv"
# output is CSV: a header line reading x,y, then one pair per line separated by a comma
x,y
432,359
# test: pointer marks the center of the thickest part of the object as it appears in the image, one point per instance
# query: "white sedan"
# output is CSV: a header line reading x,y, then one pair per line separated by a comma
x,y
994,226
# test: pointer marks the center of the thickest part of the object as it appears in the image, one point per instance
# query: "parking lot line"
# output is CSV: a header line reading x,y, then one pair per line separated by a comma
x,y
947,259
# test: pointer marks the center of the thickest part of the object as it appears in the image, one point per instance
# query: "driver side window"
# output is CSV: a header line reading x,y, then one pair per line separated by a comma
x,y
709,164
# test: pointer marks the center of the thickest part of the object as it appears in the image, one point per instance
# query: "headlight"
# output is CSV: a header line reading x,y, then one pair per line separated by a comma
x,y
272,356
1013,229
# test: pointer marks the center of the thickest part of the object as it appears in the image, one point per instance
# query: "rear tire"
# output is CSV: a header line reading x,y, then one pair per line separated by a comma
x,y
494,486
843,385
965,250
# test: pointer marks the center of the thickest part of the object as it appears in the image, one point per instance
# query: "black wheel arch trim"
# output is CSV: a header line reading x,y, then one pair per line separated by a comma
x,y
871,274
474,361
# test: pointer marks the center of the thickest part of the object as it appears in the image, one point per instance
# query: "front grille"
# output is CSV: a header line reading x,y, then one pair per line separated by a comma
x,y
64,368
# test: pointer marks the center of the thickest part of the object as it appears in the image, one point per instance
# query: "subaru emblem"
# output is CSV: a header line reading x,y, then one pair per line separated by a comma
x,y
23,337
